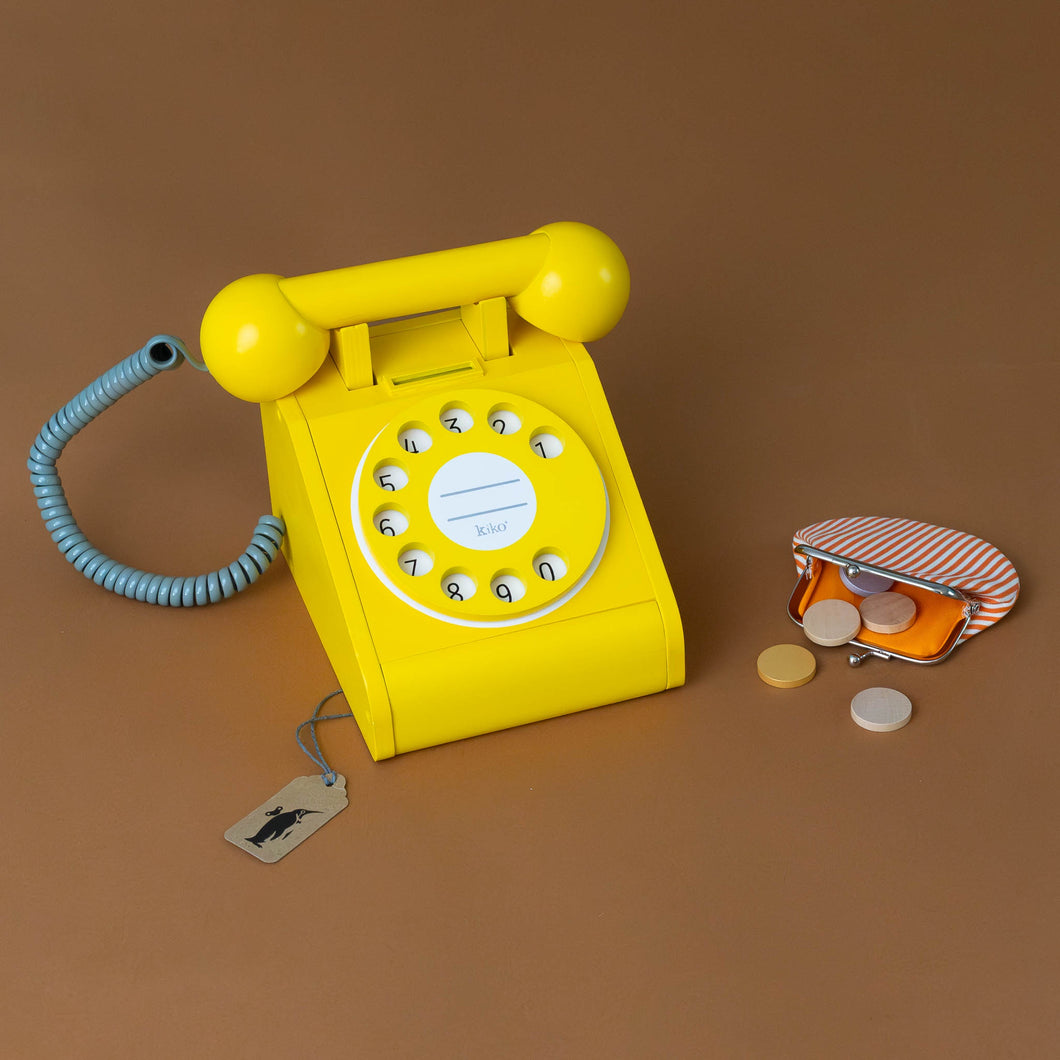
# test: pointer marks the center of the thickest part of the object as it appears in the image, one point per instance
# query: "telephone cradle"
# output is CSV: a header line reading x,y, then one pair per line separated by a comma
x,y
461,519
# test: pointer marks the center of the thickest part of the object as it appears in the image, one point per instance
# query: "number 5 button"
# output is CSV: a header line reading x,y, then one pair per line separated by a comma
x,y
391,477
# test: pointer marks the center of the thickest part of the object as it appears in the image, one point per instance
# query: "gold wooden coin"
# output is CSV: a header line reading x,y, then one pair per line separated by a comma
x,y
888,612
786,666
831,622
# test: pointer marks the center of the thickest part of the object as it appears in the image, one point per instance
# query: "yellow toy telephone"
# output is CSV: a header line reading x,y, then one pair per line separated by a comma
x,y
460,516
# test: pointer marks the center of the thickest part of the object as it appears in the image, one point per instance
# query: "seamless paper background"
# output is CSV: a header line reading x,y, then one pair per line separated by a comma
x,y
842,227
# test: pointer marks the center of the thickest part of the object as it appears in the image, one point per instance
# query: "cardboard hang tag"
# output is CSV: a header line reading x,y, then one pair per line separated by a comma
x,y
289,818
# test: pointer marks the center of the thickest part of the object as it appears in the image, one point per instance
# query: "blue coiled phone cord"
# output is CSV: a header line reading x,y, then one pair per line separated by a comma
x,y
161,354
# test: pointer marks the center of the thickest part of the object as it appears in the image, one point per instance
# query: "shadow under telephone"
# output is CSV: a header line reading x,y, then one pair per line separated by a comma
x,y
448,486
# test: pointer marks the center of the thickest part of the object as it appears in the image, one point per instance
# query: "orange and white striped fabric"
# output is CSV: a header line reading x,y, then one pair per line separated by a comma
x,y
949,557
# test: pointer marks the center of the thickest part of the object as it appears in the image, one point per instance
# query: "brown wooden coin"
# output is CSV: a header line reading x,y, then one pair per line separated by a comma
x,y
888,612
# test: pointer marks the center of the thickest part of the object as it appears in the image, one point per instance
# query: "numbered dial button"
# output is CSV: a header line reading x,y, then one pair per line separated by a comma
x,y
458,586
457,419
416,562
508,587
550,567
390,522
546,445
414,440
391,477
505,421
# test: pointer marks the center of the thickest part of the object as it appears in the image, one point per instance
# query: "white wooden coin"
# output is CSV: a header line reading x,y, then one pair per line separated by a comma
x,y
831,622
888,612
881,709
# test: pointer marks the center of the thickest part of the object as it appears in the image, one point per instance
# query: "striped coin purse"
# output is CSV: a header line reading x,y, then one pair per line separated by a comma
x,y
960,583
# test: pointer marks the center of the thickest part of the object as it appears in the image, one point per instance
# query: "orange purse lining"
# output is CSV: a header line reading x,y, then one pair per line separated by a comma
x,y
938,618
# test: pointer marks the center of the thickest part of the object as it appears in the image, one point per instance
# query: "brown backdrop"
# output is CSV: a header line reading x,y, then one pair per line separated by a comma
x,y
842,225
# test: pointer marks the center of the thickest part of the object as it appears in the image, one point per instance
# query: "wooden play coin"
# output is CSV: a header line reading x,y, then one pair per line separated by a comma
x,y
786,666
831,622
865,583
888,612
881,709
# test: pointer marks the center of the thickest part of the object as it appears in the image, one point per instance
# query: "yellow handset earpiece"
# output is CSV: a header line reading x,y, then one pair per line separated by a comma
x,y
264,336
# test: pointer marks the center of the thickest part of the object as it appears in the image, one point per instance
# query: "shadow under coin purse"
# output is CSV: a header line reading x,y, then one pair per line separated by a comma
x,y
961,585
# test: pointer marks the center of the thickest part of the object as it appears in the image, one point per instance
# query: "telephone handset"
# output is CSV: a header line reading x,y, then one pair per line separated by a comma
x,y
264,336
460,516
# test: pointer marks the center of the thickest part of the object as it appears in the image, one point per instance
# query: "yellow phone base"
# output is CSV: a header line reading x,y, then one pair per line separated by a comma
x,y
574,611
461,518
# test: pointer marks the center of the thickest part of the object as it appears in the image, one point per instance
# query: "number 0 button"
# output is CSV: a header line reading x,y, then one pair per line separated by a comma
x,y
549,566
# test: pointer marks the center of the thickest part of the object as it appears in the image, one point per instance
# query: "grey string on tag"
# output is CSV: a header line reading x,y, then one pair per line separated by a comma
x,y
318,758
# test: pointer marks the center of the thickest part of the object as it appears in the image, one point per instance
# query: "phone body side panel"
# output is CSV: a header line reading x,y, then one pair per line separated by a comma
x,y
317,559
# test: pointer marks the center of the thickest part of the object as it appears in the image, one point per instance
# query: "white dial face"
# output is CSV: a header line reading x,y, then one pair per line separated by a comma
x,y
482,501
